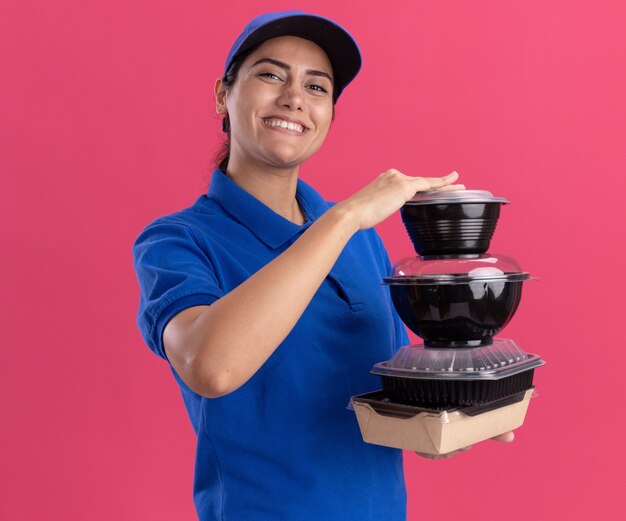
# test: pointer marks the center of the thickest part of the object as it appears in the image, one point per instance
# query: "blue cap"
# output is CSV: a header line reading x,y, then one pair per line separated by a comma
x,y
340,47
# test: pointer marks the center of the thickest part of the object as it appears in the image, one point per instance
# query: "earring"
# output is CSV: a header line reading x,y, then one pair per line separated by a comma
x,y
226,124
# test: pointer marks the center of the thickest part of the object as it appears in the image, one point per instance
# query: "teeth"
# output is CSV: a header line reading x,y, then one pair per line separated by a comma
x,y
284,124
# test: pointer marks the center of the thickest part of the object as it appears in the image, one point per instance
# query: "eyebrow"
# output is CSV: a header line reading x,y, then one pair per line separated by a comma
x,y
287,67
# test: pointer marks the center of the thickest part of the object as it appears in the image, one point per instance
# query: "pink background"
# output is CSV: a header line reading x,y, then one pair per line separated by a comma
x,y
108,122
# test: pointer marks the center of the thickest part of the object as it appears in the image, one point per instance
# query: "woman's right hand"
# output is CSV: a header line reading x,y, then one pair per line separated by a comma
x,y
388,193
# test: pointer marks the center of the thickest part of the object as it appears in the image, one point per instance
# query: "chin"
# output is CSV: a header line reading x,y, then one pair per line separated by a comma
x,y
284,163
287,160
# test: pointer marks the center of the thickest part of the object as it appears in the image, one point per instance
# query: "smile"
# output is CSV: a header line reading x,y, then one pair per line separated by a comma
x,y
284,124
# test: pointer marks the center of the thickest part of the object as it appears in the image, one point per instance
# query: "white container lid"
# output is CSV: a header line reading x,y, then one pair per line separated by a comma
x,y
501,359
455,196
456,269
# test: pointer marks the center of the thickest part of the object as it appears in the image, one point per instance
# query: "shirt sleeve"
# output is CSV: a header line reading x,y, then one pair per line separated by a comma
x,y
174,273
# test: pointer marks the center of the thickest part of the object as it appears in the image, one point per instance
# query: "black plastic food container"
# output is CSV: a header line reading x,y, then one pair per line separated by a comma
x,y
465,307
445,378
446,394
455,222
464,314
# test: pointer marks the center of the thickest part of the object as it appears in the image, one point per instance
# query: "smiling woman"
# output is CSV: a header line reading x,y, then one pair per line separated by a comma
x,y
266,300
280,106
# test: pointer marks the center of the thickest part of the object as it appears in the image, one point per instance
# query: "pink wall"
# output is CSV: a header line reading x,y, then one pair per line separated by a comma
x,y
108,122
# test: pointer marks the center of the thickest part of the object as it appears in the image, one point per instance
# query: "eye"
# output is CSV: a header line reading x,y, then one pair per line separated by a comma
x,y
318,88
270,75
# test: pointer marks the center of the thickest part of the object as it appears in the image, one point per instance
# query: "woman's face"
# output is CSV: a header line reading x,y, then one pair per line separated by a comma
x,y
281,104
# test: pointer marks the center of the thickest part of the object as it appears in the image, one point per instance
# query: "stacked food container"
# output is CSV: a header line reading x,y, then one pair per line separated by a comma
x,y
462,385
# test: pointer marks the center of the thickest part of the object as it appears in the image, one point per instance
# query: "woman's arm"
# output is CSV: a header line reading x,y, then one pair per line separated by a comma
x,y
215,349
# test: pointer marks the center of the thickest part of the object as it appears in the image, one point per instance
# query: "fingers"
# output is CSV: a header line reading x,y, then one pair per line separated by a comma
x,y
441,181
443,456
506,437
450,187
425,183
435,183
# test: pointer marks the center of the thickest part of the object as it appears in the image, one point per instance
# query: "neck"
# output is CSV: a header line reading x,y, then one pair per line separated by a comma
x,y
274,187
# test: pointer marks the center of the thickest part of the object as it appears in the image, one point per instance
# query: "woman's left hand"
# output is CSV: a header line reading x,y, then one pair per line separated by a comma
x,y
506,437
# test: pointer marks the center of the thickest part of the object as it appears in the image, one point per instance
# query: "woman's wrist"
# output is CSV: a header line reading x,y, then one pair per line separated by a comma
x,y
345,218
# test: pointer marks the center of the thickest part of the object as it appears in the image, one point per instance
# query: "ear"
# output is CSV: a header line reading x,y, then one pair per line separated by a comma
x,y
220,96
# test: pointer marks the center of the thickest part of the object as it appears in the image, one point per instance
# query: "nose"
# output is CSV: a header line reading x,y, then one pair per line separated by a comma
x,y
292,97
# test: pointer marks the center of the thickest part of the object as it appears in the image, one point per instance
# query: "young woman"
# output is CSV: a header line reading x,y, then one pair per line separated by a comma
x,y
267,301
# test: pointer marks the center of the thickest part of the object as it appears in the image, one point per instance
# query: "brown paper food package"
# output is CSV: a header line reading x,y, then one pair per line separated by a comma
x,y
435,432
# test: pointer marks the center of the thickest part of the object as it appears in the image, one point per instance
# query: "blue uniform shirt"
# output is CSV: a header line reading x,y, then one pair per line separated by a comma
x,y
283,446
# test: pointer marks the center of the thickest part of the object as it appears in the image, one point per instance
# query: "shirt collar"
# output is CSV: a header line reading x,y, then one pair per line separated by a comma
x,y
270,228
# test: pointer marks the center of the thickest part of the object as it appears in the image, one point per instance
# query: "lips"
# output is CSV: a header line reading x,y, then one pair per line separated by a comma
x,y
285,124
